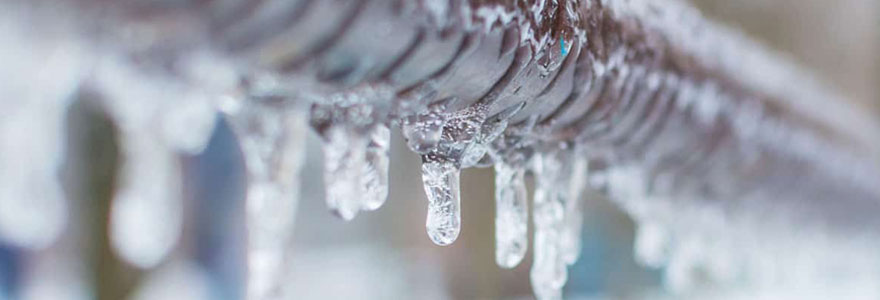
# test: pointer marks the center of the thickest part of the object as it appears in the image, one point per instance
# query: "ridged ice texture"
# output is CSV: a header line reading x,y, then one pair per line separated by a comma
x,y
549,273
511,215
272,139
441,180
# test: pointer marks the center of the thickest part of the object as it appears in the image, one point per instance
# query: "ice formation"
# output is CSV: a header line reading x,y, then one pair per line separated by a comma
x,y
544,88
271,133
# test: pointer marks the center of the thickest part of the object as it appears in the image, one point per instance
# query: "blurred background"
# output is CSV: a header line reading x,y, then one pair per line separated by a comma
x,y
386,254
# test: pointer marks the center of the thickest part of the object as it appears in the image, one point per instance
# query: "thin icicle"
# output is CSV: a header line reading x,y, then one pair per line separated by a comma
x,y
574,215
375,175
272,138
511,215
441,180
549,273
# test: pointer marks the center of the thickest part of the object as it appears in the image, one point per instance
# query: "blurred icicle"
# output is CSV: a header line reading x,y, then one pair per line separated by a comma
x,y
146,216
345,153
650,244
375,175
158,112
178,280
42,63
56,274
511,215
272,137
574,215
549,273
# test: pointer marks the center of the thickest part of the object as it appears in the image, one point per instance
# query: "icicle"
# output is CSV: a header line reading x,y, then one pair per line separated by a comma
x,y
548,274
42,65
441,180
146,216
33,210
650,245
344,163
574,215
356,143
681,274
511,215
272,138
375,175
157,115
441,168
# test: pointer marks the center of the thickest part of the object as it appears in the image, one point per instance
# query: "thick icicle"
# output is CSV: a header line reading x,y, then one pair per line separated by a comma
x,y
272,138
441,168
344,163
549,273
511,215
574,215
375,175
356,143
146,215
42,66
441,180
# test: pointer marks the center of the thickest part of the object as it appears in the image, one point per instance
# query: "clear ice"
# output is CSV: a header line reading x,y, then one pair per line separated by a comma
x,y
423,130
441,180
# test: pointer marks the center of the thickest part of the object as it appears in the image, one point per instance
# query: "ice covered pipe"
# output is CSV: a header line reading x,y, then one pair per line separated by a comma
x,y
735,163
